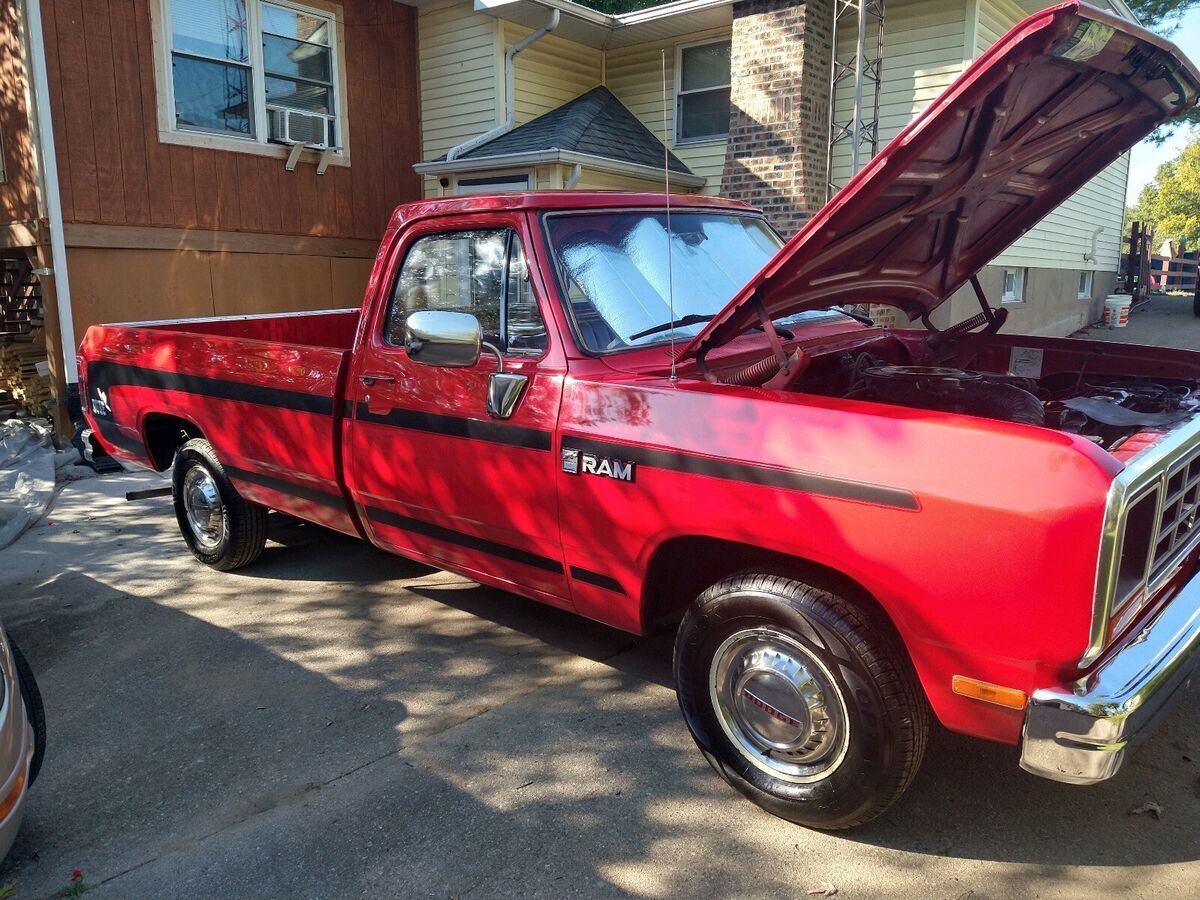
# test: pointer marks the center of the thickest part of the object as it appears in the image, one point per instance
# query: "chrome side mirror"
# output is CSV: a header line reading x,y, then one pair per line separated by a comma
x,y
436,337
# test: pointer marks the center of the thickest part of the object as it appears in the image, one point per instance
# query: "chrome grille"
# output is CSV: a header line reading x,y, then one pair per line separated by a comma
x,y
1152,522
1177,518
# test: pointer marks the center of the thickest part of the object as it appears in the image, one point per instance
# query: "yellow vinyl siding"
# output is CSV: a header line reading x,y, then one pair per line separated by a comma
x,y
593,180
459,77
1063,237
549,178
995,17
634,75
923,46
549,73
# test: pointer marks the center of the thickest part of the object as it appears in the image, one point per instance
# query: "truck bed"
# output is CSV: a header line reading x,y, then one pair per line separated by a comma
x,y
265,391
332,329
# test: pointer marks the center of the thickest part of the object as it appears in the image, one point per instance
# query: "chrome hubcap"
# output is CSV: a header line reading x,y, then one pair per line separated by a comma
x,y
779,705
205,511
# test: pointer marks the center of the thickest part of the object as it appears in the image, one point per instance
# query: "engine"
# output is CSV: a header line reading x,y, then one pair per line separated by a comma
x,y
954,390
1105,409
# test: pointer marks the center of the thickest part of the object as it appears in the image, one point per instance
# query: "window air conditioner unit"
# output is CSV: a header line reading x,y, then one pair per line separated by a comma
x,y
297,126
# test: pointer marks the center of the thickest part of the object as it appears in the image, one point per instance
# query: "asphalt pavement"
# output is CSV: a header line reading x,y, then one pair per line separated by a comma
x,y
337,722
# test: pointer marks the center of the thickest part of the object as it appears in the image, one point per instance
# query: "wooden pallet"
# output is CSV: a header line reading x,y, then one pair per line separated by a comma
x,y
23,389
19,370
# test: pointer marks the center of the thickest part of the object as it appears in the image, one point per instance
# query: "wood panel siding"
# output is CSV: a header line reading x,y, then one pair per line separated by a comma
x,y
136,237
634,74
115,170
18,193
183,283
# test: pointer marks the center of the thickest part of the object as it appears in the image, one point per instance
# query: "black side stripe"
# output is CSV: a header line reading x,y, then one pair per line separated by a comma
x,y
752,474
450,536
456,426
603,581
387,517
116,437
104,375
313,495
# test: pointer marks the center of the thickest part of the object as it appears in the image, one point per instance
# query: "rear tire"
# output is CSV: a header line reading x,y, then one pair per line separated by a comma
x,y
222,528
802,700
34,710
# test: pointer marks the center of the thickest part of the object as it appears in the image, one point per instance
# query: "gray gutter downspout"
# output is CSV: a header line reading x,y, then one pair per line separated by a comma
x,y
510,103
52,197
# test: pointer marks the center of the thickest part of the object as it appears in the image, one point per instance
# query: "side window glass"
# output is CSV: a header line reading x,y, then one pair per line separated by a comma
x,y
524,330
462,271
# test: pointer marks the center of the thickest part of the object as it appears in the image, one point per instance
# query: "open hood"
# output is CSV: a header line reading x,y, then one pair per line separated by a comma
x,y
1058,98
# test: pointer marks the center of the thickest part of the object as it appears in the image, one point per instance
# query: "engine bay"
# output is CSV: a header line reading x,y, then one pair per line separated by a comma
x,y
1106,409
1104,392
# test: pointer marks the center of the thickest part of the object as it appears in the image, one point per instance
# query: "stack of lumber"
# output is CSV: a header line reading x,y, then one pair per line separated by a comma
x,y
20,379
20,297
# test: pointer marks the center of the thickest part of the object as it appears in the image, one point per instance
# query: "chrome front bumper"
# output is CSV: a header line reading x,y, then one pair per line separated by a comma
x,y
1082,736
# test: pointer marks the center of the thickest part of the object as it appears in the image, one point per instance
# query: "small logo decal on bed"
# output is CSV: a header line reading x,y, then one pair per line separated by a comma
x,y
100,405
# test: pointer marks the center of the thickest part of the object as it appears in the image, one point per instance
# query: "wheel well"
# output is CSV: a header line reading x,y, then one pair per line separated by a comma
x,y
164,435
683,567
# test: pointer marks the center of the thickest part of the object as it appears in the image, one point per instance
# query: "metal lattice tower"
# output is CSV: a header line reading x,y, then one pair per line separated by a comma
x,y
862,71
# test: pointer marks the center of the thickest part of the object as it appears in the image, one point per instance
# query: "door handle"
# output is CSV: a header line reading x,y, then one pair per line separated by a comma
x,y
370,380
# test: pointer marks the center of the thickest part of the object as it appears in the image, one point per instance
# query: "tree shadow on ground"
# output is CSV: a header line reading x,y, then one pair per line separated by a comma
x,y
335,720
970,800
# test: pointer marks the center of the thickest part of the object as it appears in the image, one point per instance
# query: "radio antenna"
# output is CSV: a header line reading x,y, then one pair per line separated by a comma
x,y
667,190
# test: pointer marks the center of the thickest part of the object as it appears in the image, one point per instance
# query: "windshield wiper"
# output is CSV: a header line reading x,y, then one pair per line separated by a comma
x,y
689,319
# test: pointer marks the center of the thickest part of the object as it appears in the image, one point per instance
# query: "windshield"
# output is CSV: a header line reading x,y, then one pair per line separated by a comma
x,y
614,270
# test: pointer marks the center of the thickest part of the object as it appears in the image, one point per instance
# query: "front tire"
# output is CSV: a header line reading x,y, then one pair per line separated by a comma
x,y
35,711
222,529
802,700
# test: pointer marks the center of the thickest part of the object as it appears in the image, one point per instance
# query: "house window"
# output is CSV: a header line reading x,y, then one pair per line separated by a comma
x,y
253,70
1014,285
702,102
1085,285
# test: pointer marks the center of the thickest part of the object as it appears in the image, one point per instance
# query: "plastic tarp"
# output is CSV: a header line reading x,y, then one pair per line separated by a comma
x,y
29,469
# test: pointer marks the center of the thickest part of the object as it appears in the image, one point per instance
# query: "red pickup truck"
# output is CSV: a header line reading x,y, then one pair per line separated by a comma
x,y
651,410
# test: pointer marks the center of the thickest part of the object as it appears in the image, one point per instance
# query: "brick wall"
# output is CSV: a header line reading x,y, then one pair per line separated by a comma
x,y
779,110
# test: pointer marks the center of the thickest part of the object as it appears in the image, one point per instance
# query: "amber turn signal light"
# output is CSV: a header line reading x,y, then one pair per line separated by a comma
x,y
1010,698
13,796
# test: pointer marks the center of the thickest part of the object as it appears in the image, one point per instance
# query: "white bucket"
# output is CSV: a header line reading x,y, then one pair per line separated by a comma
x,y
1116,310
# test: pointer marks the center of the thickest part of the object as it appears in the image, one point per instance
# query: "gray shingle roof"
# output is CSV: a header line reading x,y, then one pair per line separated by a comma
x,y
596,123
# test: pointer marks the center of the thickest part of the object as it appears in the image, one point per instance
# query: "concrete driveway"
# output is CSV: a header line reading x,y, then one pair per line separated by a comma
x,y
1165,321
335,722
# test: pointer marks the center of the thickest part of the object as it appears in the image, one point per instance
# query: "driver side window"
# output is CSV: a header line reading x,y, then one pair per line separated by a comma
x,y
481,272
